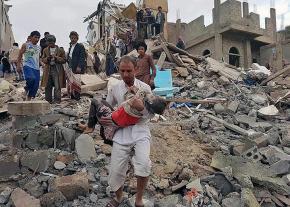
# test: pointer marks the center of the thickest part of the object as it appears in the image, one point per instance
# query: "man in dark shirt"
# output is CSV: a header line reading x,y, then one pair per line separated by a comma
x,y
43,42
180,43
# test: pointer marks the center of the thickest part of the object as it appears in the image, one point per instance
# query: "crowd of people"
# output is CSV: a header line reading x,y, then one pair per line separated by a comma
x,y
125,126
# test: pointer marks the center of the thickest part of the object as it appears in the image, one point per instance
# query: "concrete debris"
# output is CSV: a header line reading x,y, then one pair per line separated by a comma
x,y
37,161
268,111
28,108
50,199
20,198
5,195
85,148
71,186
59,165
224,140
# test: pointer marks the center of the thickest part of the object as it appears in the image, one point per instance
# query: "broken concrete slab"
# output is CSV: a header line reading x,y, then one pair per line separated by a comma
x,y
248,199
72,186
259,173
245,119
281,167
8,168
20,198
233,127
219,108
5,195
92,83
273,154
259,98
85,148
37,161
28,108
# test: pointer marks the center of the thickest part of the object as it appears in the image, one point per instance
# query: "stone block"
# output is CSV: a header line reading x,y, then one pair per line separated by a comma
x,y
49,119
262,141
281,167
24,122
8,168
245,119
28,108
248,199
38,161
219,108
34,188
85,148
20,198
72,186
233,106
52,199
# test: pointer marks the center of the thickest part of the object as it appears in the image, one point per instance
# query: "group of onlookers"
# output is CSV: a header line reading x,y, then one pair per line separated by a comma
x,y
26,62
149,25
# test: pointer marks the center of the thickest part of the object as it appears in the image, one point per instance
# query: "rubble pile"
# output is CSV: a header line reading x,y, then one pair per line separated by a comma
x,y
225,141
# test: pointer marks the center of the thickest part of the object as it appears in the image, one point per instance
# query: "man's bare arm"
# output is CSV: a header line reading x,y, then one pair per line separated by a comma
x,y
20,55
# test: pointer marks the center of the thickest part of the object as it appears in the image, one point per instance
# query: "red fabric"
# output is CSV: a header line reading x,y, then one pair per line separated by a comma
x,y
122,119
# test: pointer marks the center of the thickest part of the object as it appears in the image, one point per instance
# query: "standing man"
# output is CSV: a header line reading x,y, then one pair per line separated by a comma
x,y
160,20
43,42
53,73
145,65
31,52
77,63
130,139
13,56
180,43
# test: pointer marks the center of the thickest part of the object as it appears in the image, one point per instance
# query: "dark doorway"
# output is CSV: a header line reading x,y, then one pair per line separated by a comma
x,y
234,57
206,53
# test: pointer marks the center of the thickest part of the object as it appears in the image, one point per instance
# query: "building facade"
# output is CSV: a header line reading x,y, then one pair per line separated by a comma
x,y
235,36
6,34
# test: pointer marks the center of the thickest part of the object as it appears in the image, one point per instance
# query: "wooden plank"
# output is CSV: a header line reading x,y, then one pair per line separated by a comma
x,y
171,46
161,60
157,49
275,75
165,49
178,60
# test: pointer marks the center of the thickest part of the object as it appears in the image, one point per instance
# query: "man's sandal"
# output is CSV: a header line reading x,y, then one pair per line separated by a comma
x,y
113,203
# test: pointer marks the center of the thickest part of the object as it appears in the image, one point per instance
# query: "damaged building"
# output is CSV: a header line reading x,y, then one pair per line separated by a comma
x,y
235,35
114,19
6,34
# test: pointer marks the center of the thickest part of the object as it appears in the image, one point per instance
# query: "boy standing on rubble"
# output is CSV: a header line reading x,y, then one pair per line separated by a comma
x,y
31,70
145,65
160,20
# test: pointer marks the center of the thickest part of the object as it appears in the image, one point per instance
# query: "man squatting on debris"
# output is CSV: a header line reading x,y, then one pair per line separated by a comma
x,y
135,137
